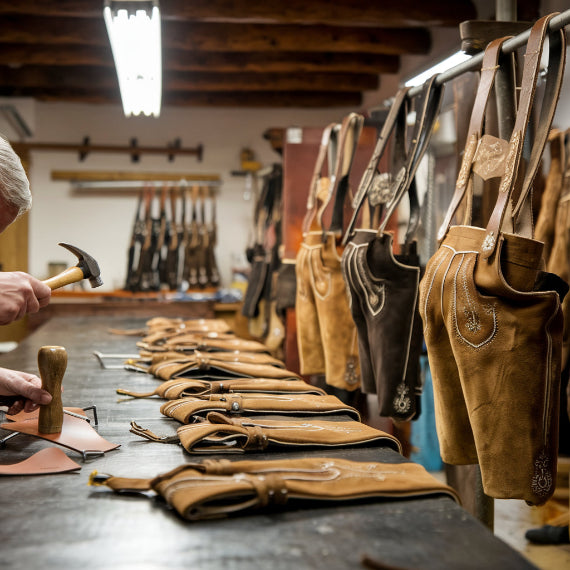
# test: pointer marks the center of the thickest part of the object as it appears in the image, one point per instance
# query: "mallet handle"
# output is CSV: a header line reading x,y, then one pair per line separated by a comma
x,y
52,362
70,275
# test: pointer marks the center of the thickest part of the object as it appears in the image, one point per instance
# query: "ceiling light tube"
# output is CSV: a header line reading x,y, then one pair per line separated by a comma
x,y
440,67
136,44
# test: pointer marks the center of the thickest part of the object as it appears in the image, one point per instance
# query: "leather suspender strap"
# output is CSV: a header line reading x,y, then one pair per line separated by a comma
x,y
556,60
427,110
488,72
398,107
531,70
348,141
327,143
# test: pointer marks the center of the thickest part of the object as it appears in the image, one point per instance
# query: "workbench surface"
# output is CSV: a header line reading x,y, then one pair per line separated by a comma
x,y
58,521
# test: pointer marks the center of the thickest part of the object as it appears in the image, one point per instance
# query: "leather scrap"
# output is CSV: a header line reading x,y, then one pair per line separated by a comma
x,y
45,462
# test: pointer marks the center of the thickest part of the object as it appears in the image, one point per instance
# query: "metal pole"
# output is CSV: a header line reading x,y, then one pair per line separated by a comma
x,y
505,81
474,63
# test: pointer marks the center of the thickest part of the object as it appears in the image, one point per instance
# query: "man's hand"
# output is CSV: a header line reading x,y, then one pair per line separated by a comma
x,y
27,386
20,294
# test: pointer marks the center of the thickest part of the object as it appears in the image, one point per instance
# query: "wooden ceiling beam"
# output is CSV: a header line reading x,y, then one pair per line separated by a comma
x,y
388,13
275,38
224,37
17,55
257,99
84,78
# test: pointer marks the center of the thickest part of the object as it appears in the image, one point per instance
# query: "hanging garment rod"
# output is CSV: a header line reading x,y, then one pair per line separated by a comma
x,y
474,63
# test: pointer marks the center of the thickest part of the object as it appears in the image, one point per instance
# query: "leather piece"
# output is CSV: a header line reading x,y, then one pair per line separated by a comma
x,y
183,387
256,282
187,410
384,304
222,434
185,342
159,337
47,461
464,185
208,367
75,434
320,181
516,183
492,317
36,413
494,353
546,222
153,359
217,488
326,333
285,287
559,261
490,157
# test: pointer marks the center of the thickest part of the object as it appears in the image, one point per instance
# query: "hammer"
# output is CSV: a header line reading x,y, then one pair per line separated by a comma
x,y
87,268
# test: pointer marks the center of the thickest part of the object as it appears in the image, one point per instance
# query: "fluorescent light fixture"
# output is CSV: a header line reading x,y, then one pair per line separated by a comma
x,y
444,65
134,33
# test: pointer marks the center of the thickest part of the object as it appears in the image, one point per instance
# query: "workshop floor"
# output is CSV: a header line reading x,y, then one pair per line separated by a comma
x,y
513,519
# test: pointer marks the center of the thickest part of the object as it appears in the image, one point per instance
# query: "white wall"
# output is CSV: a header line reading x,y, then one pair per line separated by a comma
x,y
101,225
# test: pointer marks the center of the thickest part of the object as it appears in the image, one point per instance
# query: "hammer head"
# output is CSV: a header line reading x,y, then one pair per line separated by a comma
x,y
87,264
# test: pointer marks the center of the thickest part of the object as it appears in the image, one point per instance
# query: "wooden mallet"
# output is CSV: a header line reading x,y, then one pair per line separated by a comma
x,y
52,362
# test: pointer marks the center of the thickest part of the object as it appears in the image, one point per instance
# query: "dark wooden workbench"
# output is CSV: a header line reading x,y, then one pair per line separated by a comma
x,y
57,521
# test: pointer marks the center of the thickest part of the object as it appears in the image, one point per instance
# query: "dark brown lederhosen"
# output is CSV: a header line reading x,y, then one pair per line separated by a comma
x,y
383,287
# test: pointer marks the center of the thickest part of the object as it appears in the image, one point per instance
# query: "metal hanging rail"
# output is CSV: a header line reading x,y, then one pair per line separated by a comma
x,y
474,63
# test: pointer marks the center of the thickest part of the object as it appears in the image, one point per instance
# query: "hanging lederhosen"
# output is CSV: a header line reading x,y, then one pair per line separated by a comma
x,y
492,318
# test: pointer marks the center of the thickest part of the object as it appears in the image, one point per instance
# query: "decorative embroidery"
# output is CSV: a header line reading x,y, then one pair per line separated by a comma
x,y
402,402
511,163
381,189
468,156
472,322
374,292
350,375
468,304
431,272
489,242
542,481
360,283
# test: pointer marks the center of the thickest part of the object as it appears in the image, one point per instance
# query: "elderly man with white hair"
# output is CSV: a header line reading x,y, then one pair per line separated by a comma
x,y
20,293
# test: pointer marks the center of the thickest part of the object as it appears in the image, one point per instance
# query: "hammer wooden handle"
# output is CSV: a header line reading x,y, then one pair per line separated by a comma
x,y
70,275
52,362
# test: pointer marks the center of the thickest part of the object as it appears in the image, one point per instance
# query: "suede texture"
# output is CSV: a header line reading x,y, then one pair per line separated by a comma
x,y
494,344
203,388
326,333
384,305
191,409
219,433
559,259
217,488
208,367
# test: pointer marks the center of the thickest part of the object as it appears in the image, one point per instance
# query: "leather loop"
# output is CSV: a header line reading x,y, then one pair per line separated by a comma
x,y
489,69
271,489
427,107
557,46
328,142
256,439
348,140
367,181
217,466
